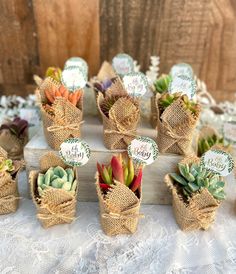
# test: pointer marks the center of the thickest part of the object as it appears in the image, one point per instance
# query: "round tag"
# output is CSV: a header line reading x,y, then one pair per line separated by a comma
x,y
143,150
184,84
73,78
77,62
74,152
123,64
136,84
181,69
218,161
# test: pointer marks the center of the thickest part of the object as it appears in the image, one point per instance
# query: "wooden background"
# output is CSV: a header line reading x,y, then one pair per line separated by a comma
x,y
35,34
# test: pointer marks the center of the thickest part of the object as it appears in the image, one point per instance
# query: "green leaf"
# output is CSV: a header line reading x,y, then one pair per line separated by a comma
x,y
193,187
178,178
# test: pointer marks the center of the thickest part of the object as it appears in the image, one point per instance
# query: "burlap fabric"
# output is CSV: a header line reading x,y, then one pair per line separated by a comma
x,y
12,144
119,209
9,195
175,127
120,128
67,119
196,213
55,206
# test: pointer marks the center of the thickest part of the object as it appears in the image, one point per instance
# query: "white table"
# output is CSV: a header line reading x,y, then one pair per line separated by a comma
x,y
158,246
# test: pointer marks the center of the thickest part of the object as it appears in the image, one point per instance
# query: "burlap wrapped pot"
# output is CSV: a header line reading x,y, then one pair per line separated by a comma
x,y
196,213
120,128
12,144
55,206
119,209
175,128
9,195
208,131
67,119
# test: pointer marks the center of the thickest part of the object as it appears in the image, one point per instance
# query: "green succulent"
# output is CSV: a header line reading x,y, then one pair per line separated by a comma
x,y
7,165
162,83
194,177
54,73
204,144
57,177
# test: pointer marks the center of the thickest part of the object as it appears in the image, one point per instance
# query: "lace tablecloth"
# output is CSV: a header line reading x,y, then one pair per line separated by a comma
x,y
158,246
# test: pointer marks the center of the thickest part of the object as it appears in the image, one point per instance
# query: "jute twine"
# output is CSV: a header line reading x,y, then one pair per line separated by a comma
x,y
9,196
12,144
119,209
199,211
175,127
120,128
55,206
67,120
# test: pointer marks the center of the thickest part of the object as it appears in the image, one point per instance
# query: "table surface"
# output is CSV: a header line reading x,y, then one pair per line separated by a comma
x,y
158,246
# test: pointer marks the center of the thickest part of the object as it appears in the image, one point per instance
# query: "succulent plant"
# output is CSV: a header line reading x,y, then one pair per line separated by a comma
x,y
121,170
7,166
57,177
167,99
17,127
109,101
162,83
104,85
54,73
204,144
192,178
55,92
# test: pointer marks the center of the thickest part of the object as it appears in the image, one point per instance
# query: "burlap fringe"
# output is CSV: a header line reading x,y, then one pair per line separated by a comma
x,y
56,206
120,128
175,128
199,212
13,145
67,120
9,195
119,209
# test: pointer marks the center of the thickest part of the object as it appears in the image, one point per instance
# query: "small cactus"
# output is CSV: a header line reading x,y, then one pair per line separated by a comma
x,y
162,83
57,177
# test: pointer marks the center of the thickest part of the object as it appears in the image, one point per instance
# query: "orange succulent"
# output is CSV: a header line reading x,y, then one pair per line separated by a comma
x,y
54,92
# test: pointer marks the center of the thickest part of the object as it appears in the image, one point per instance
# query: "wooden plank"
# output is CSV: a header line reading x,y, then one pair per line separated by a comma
x,y
67,28
154,189
201,33
18,50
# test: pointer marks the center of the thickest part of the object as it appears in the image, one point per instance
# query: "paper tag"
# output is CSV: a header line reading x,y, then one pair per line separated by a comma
x,y
229,131
73,78
31,115
136,84
181,69
183,84
74,152
123,64
143,150
218,161
77,62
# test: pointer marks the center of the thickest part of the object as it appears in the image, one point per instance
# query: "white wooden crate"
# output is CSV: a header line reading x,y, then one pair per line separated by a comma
x,y
154,189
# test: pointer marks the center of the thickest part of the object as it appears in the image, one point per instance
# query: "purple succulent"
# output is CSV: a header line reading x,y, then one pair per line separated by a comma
x,y
17,127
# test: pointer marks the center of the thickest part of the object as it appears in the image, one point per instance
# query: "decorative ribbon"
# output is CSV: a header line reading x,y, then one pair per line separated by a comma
x,y
123,215
127,132
75,126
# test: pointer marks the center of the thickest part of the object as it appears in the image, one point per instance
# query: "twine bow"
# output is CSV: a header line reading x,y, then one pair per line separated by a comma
x,y
75,126
122,132
8,199
125,214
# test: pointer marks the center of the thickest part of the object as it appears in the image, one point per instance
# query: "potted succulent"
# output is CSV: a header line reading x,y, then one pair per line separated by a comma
x,y
120,114
197,193
160,86
61,110
9,196
118,187
177,117
13,137
54,190
209,139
